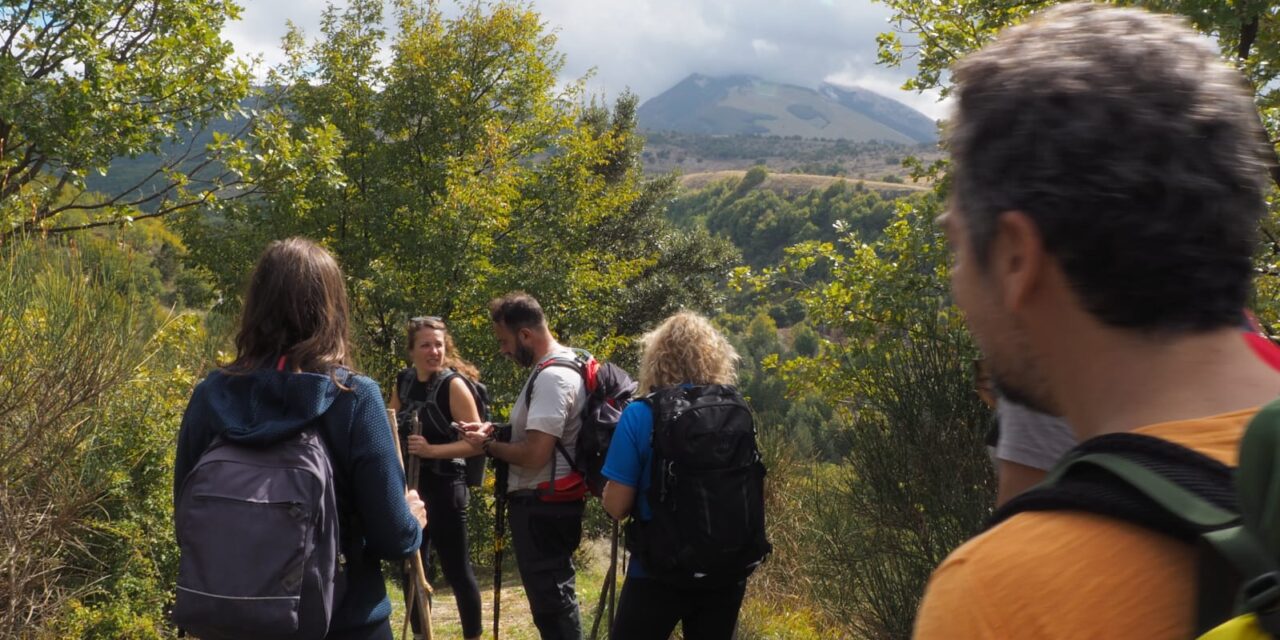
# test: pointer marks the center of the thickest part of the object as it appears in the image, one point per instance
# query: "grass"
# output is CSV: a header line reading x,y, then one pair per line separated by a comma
x,y
765,616
516,623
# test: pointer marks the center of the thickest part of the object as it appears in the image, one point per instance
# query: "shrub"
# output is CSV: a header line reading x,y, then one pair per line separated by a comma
x,y
96,379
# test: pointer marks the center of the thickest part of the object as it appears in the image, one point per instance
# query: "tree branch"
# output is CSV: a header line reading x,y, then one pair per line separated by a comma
x,y
17,27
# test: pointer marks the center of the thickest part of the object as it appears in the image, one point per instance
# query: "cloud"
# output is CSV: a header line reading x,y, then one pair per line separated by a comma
x,y
649,45
763,47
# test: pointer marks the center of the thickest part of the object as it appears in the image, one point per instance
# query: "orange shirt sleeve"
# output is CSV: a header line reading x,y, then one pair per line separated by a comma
x,y
955,605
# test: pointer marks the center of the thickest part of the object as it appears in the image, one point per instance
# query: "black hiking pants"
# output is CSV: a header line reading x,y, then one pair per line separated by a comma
x,y
446,498
380,630
649,609
545,535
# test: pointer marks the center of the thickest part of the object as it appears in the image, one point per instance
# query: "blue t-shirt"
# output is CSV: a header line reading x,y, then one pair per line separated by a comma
x,y
628,462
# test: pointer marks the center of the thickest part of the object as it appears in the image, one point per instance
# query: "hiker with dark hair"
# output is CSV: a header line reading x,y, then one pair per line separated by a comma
x,y
544,490
286,486
1108,180
438,389
689,369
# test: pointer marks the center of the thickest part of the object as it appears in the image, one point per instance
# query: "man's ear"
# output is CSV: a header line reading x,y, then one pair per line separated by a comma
x,y
1017,259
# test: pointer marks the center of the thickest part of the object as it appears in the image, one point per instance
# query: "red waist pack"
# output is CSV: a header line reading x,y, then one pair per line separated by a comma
x,y
567,489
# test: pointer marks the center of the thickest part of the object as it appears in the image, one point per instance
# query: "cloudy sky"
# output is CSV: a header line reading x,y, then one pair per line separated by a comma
x,y
649,45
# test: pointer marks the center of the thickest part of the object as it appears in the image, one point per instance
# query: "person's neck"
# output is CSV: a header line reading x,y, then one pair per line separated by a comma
x,y
1113,381
550,346
424,375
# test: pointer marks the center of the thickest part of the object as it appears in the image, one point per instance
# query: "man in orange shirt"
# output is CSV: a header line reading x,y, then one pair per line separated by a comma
x,y
1108,181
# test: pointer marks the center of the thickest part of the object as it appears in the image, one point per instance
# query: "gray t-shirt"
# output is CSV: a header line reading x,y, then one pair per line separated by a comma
x,y
1031,438
555,409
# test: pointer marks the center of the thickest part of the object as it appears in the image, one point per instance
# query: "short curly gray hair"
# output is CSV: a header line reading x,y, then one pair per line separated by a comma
x,y
1135,149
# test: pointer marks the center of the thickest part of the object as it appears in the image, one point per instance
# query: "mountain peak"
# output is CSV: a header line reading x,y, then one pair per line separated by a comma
x,y
746,104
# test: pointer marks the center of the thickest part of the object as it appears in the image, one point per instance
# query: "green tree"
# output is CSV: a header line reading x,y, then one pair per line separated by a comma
x,y
455,171
1247,32
87,81
893,371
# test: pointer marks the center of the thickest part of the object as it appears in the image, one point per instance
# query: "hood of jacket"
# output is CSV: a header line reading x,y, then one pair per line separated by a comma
x,y
264,406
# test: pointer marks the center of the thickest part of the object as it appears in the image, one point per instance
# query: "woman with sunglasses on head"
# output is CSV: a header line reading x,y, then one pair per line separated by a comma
x,y
439,389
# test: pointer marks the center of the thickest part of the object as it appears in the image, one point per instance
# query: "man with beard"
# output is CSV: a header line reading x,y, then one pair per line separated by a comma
x,y
1108,179
545,421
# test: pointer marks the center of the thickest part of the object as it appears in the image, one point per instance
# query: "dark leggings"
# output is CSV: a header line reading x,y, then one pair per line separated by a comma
x,y
446,498
380,630
649,609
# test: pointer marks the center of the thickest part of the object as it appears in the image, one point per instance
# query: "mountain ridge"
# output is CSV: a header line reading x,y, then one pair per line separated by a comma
x,y
748,105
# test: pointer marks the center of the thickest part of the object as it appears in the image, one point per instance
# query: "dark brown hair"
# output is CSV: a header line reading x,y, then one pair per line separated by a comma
x,y
452,358
295,307
1134,148
517,310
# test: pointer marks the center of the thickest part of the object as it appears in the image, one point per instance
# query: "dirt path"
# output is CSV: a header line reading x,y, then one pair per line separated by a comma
x,y
516,622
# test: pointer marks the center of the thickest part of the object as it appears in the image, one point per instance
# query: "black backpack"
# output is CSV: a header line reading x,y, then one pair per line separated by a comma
x,y
609,390
435,428
706,490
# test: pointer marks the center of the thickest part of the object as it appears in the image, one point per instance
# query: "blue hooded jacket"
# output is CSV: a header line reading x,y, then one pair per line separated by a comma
x,y
265,406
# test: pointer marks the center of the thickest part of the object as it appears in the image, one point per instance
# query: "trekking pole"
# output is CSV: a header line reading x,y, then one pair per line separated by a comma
x,y
613,566
500,471
607,587
600,613
419,588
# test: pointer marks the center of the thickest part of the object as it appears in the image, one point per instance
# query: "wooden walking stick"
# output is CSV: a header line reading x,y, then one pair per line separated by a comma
x,y
419,589
412,472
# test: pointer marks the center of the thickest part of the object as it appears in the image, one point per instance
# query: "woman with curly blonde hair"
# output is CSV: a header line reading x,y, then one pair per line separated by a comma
x,y
686,349
685,355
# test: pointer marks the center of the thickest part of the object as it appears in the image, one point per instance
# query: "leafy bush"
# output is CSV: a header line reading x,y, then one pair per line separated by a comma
x,y
96,381
892,365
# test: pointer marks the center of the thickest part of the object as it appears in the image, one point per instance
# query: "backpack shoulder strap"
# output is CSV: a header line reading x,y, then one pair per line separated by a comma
x,y
432,404
659,401
1170,490
571,363
441,379
1133,477
405,380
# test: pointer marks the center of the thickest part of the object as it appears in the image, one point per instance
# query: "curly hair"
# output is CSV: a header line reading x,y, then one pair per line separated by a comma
x,y
1134,149
686,348
452,359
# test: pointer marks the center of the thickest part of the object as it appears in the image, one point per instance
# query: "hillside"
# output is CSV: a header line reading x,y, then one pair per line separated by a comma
x,y
791,183
691,153
129,173
747,105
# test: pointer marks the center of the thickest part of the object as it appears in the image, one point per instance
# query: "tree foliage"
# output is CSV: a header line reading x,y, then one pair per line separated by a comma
x,y
87,81
1246,32
891,367
762,223
460,169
